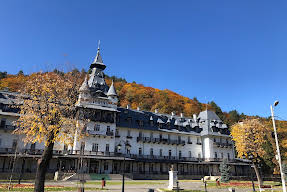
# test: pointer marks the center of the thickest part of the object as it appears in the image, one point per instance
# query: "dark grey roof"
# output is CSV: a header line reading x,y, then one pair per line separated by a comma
x,y
153,121
98,62
112,90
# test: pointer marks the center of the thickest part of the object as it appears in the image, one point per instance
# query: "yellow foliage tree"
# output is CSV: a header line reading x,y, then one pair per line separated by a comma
x,y
48,114
249,137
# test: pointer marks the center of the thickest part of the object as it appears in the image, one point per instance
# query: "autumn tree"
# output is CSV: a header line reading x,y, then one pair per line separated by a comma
x,y
48,115
249,137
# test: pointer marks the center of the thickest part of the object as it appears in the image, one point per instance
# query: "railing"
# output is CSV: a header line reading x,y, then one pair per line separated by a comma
x,y
107,133
220,144
110,133
8,127
105,154
160,140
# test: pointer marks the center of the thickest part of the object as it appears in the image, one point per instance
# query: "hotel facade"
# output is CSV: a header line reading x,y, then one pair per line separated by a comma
x,y
142,144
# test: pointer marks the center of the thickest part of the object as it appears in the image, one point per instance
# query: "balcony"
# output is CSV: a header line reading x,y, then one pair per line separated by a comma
x,y
129,137
98,133
198,143
110,133
8,127
117,135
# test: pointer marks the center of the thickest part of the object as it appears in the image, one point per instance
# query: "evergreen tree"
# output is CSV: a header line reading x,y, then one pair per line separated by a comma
x,y
20,72
3,75
224,171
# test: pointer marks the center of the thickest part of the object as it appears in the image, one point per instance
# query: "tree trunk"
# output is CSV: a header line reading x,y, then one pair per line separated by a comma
x,y
43,164
259,179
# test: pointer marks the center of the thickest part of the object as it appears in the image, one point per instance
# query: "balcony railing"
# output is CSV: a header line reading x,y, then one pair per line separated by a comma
x,y
160,140
220,144
8,127
104,154
107,133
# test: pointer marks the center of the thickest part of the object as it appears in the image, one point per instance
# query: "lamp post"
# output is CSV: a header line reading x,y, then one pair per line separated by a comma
x,y
250,157
119,146
277,146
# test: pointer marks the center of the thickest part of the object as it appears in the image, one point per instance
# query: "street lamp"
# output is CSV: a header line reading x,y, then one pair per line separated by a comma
x,y
277,146
119,146
250,157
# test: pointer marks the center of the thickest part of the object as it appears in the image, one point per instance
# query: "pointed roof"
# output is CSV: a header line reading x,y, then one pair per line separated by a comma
x,y
210,115
112,90
98,61
84,86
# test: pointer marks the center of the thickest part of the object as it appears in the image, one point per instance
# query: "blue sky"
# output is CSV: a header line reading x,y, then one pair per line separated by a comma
x,y
232,52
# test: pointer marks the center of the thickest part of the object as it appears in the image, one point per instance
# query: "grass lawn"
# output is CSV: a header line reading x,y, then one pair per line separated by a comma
x,y
126,182
185,190
52,189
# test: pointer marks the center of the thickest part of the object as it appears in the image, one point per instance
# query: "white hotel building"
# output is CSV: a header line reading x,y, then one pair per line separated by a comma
x,y
148,142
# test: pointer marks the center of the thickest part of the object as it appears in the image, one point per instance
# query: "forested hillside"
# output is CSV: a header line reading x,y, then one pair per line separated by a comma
x,y
138,95
167,101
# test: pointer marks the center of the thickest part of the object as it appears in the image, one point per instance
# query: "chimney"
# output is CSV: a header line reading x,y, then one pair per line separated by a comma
x,y
155,111
194,117
181,115
128,106
172,114
138,108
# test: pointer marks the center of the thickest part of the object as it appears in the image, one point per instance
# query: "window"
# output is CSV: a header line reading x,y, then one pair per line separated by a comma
x,y
140,134
106,166
117,132
160,152
198,141
107,147
33,146
108,129
188,139
151,135
128,151
82,146
14,144
168,137
179,138
179,154
129,133
160,136
169,153
214,140
151,151
222,155
228,156
0,141
220,140
141,124
215,155
199,155
3,122
189,154
95,147
97,127
140,151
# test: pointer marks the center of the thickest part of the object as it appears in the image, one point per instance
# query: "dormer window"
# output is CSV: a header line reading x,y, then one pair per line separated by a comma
x,y
141,124
97,127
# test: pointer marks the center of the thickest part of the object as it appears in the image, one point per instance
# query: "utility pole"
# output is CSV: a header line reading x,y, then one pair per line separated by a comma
x,y
277,147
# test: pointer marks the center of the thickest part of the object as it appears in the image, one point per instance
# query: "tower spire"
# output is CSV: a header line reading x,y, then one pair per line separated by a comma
x,y
98,61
